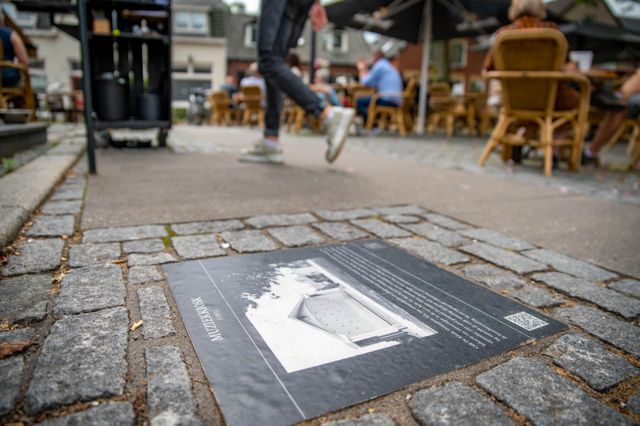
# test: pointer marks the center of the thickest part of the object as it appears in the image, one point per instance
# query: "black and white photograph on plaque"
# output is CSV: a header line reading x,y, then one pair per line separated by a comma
x,y
290,335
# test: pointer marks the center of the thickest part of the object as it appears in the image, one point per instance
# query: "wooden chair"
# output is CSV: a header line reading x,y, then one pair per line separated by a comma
x,y
441,105
528,63
20,96
631,129
221,112
252,105
400,116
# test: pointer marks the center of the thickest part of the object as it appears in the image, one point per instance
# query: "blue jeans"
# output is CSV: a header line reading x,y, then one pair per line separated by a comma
x,y
362,105
280,25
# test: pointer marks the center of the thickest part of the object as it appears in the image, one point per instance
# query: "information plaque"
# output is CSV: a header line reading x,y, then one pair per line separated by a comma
x,y
290,335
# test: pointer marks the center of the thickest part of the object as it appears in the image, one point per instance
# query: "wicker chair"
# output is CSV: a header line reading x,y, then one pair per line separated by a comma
x,y
252,105
400,115
528,63
221,112
22,95
441,105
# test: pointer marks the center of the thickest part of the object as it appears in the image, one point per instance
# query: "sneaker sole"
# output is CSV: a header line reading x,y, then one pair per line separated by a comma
x,y
264,159
343,138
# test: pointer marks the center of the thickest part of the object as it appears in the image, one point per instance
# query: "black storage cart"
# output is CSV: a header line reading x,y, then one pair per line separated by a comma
x,y
126,62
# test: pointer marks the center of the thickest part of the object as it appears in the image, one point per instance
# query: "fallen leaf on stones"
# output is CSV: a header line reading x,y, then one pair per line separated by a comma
x,y
371,410
136,325
119,261
225,245
64,237
10,348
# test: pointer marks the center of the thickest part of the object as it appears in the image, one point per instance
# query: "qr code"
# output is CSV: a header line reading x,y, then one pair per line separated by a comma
x,y
526,321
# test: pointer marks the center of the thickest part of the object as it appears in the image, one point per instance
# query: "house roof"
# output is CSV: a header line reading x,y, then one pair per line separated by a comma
x,y
237,50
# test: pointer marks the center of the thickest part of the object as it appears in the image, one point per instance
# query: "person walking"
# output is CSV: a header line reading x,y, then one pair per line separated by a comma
x,y
280,24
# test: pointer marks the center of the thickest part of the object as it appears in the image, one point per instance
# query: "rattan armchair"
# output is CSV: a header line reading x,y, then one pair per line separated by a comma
x,y
221,112
252,105
22,95
528,64
400,115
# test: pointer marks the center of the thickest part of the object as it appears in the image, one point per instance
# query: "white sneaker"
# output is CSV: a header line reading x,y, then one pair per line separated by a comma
x,y
262,153
337,131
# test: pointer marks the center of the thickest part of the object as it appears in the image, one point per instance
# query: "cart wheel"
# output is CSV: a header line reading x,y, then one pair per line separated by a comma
x,y
162,137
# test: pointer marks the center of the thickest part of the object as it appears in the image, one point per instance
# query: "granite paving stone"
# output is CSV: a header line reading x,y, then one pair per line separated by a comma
x,y
445,221
23,299
436,233
62,207
380,228
400,210
93,254
52,226
264,221
401,218
590,360
570,265
136,259
340,231
619,333
505,281
169,386
128,233
68,192
82,359
155,313
11,378
105,414
89,289
366,420
535,391
497,239
628,286
35,256
504,258
144,274
610,300
248,241
431,251
295,236
338,215
18,335
207,227
634,403
456,404
152,245
11,221
197,246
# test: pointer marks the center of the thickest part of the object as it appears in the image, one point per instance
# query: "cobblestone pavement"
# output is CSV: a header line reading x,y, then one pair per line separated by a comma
x,y
90,333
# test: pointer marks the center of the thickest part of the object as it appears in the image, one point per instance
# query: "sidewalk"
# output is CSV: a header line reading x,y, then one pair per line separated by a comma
x,y
97,337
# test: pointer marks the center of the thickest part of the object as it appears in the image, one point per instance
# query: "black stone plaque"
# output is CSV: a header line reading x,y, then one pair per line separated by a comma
x,y
291,335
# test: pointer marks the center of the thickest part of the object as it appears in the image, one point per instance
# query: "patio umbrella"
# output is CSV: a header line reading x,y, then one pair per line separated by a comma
x,y
607,43
421,20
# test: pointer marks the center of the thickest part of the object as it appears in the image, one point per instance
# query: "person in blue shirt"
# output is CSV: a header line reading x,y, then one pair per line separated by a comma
x,y
12,48
383,77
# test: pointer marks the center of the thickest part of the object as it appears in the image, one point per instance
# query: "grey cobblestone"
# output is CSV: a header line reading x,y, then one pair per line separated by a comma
x,y
502,280
136,259
105,414
155,313
62,207
340,231
18,335
338,215
93,254
52,226
129,233
504,258
207,227
436,233
570,265
634,403
590,360
401,218
248,241
35,256
89,289
69,192
628,286
294,236
380,228
264,221
11,378
82,359
456,404
366,420
497,239
545,398
433,252
401,210
24,299
144,274
613,301
197,246
168,386
605,326
152,245
445,221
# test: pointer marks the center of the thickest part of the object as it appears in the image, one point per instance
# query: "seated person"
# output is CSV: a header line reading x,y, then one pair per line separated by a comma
x,y
322,87
383,77
254,78
229,85
12,48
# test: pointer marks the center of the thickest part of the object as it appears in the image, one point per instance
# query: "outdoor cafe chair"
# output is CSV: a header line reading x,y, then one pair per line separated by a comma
x,y
21,95
221,112
400,115
252,110
528,63
441,104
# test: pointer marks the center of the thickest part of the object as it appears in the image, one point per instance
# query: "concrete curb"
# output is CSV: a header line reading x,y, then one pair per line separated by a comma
x,y
22,191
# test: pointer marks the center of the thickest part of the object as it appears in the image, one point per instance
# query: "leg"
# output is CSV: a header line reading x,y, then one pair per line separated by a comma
x,y
362,107
273,111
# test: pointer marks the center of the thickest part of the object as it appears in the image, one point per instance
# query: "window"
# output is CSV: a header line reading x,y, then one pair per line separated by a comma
x,y
337,41
458,53
26,20
188,22
250,34
181,68
202,68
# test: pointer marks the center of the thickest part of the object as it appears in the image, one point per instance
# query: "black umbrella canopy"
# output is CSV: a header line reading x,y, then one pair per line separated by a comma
x,y
403,19
607,43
